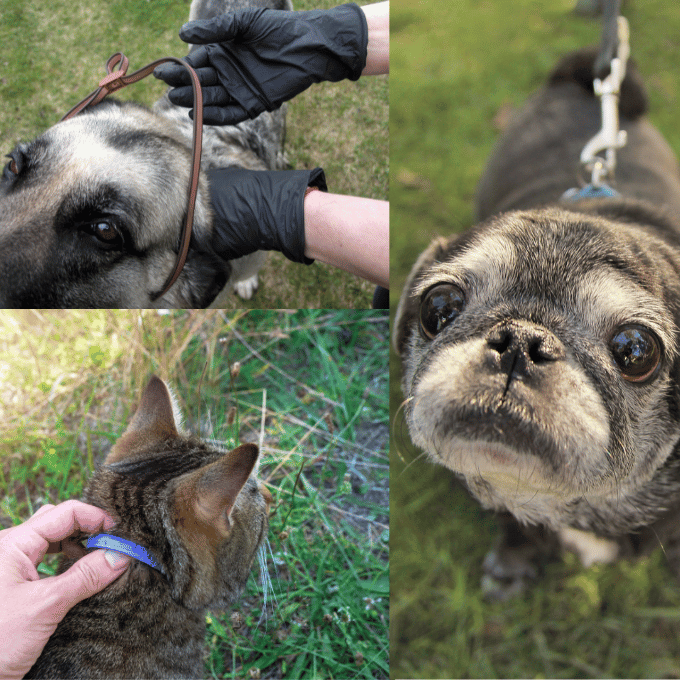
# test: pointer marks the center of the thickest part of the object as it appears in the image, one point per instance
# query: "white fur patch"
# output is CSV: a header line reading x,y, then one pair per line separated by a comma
x,y
608,299
491,260
247,287
590,549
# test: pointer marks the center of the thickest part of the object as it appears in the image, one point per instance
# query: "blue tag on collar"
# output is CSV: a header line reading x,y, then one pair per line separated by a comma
x,y
590,191
121,545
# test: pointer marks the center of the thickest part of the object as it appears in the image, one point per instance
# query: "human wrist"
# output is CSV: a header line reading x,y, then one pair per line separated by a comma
x,y
313,212
377,16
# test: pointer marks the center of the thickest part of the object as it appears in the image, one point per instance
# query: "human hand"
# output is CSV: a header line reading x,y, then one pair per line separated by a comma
x,y
31,608
253,60
261,210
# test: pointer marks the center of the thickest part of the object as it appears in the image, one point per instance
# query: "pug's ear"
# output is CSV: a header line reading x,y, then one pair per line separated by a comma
x,y
407,310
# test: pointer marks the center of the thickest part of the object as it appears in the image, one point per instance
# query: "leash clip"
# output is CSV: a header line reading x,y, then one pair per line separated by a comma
x,y
609,138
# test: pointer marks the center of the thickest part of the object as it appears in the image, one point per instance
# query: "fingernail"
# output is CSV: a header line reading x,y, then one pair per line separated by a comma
x,y
109,523
116,560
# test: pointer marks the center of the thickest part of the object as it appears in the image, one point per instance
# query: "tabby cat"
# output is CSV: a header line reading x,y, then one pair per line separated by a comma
x,y
201,516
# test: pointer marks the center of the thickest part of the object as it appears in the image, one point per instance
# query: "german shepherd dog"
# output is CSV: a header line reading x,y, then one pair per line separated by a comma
x,y
92,210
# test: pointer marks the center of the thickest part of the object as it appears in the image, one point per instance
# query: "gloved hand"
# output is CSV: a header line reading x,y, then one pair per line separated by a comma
x,y
261,210
253,60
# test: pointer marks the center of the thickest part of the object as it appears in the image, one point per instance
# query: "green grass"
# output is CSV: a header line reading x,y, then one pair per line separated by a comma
x,y
309,386
54,54
453,70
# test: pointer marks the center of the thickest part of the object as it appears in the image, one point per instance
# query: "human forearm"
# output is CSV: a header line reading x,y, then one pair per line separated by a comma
x,y
350,233
378,55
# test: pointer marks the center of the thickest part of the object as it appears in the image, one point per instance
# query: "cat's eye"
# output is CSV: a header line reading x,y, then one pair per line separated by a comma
x,y
637,352
439,306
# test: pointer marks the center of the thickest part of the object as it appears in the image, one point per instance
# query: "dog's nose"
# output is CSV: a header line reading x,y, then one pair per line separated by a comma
x,y
518,348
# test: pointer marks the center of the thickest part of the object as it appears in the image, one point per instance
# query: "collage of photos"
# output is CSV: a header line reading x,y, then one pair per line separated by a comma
x,y
339,341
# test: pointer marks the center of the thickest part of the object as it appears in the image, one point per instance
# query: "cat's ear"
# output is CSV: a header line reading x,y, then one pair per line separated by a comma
x,y
153,421
207,495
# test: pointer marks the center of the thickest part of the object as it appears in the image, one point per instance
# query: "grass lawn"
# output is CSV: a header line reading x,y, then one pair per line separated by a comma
x,y
309,386
54,54
455,68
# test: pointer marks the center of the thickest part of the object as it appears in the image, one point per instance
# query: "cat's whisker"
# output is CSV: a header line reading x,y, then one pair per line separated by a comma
x,y
274,561
267,586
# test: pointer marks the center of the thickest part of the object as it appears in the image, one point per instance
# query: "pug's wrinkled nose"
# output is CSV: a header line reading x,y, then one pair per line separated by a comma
x,y
518,348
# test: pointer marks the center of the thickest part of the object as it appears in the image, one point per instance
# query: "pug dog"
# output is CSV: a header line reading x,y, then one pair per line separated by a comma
x,y
540,350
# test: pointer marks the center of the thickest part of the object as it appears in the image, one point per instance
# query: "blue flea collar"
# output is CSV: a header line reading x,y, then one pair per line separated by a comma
x,y
590,191
121,545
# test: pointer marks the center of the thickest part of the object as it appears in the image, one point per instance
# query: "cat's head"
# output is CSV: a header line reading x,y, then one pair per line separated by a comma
x,y
197,509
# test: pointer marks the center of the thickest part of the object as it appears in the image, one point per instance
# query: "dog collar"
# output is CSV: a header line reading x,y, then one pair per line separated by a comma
x,y
590,191
121,545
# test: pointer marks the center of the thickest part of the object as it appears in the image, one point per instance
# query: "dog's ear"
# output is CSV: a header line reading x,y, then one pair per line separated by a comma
x,y
408,304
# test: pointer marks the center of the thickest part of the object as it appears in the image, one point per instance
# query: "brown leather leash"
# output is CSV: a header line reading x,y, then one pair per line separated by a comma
x,y
117,79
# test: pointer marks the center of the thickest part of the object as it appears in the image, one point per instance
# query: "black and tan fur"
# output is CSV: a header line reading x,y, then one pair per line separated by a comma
x,y
202,516
556,439
126,167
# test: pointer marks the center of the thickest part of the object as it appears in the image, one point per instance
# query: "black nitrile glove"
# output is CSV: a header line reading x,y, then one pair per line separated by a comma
x,y
261,210
253,60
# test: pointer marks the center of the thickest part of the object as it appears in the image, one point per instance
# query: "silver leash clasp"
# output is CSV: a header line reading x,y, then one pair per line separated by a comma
x,y
609,138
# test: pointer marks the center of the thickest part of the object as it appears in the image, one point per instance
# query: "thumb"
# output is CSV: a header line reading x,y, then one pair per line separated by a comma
x,y
87,576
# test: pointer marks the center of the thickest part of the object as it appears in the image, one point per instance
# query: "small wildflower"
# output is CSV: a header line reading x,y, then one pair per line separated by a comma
x,y
254,673
371,603
344,615
327,618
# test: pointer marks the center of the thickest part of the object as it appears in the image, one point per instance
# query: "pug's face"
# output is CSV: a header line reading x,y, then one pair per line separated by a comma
x,y
540,360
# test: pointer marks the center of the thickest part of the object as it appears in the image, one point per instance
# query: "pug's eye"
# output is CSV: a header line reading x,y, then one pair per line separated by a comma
x,y
439,306
636,351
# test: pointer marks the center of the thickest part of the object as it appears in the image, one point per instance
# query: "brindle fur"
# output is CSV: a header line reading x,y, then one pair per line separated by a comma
x,y
569,446
131,165
200,514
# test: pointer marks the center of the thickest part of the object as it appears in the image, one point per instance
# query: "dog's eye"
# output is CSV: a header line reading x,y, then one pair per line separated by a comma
x,y
105,232
15,165
439,306
637,352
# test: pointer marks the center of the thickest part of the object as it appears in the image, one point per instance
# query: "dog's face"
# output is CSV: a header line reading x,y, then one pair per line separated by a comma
x,y
91,213
540,361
